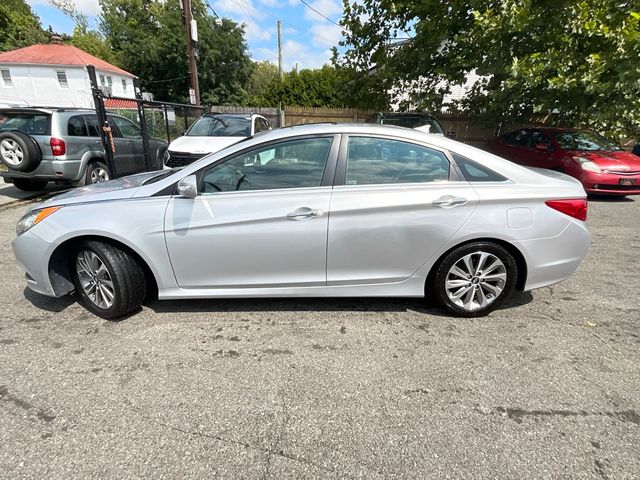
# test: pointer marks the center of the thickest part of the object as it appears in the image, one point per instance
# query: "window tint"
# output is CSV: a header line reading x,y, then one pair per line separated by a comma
x,y
538,138
92,125
27,123
378,161
519,138
127,129
76,127
475,172
293,164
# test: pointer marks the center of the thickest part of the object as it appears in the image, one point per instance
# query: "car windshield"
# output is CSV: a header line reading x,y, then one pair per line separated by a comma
x,y
221,126
413,121
27,123
585,141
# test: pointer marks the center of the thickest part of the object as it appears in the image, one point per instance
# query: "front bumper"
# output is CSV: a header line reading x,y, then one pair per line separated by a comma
x,y
32,253
610,183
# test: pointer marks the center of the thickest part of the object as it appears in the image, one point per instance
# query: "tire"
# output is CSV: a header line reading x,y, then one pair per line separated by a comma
x,y
19,152
477,293
115,272
97,172
29,185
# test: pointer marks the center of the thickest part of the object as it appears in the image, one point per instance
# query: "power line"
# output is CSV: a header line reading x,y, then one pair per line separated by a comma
x,y
322,15
264,14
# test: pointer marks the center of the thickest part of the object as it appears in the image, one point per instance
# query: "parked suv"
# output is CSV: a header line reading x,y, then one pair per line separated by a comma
x,y
40,145
211,133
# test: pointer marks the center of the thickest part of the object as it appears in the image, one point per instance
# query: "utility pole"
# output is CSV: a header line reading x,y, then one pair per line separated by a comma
x,y
192,37
280,48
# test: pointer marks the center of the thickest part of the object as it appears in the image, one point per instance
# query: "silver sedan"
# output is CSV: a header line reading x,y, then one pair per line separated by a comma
x,y
318,210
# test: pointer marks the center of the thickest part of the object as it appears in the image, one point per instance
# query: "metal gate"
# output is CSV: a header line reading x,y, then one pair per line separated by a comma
x,y
136,132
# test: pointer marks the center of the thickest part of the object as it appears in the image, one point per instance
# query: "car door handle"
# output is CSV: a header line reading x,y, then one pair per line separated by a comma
x,y
449,201
303,213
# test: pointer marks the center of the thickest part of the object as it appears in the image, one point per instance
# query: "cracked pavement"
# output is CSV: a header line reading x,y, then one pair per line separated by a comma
x,y
325,388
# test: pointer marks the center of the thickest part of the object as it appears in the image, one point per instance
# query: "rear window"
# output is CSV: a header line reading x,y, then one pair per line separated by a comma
x,y
27,123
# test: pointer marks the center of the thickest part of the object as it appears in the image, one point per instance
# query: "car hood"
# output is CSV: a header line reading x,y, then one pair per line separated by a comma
x,y
119,188
201,145
617,161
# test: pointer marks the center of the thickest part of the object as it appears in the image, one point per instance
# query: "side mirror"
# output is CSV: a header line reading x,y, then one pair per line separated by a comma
x,y
451,134
188,186
541,146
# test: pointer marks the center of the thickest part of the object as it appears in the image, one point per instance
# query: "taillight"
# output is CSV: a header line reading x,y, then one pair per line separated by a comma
x,y
574,207
58,147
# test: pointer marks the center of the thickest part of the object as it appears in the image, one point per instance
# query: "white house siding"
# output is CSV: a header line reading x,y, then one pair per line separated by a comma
x,y
35,85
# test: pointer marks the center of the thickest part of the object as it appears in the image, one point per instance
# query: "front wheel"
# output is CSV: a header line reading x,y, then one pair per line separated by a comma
x,y
108,280
474,279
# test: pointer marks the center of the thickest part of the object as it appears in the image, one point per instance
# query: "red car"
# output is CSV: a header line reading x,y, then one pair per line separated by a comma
x,y
601,166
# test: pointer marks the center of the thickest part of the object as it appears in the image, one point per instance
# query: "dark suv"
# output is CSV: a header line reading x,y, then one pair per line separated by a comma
x,y
40,145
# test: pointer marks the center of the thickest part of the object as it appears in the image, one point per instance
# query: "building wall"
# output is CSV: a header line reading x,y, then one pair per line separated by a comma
x,y
39,85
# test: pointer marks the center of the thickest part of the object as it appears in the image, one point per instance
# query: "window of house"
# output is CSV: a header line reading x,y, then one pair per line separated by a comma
x,y
62,79
110,81
6,77
103,82
124,85
372,161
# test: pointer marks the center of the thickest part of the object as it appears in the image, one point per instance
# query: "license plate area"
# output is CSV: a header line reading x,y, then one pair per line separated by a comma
x,y
627,181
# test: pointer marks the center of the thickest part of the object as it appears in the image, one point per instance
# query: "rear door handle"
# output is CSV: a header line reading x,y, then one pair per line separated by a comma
x,y
449,201
303,213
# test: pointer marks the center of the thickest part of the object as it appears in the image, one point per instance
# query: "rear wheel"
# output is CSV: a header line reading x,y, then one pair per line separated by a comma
x,y
474,279
19,152
29,185
109,281
97,172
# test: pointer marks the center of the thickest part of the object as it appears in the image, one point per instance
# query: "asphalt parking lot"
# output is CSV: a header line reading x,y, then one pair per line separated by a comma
x,y
323,388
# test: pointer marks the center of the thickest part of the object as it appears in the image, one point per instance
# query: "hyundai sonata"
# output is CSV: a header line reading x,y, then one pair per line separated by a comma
x,y
317,210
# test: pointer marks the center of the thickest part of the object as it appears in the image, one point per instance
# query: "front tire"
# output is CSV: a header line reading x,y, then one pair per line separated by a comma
x,y
109,281
97,172
474,279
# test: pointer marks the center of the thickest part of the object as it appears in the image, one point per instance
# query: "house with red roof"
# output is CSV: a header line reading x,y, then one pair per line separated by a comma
x,y
55,75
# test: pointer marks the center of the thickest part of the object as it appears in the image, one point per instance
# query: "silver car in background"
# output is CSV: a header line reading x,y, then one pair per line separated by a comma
x,y
317,210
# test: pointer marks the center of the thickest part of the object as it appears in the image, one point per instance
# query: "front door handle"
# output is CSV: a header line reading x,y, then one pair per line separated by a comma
x,y
303,213
449,201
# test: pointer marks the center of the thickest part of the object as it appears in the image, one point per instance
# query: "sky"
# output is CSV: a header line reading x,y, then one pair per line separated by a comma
x,y
307,37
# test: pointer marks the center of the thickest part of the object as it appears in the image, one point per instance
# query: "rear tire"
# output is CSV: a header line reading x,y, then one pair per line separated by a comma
x,y
474,279
29,185
109,281
97,172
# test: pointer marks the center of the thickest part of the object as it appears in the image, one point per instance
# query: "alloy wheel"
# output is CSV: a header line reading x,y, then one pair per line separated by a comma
x,y
476,280
95,279
98,175
11,152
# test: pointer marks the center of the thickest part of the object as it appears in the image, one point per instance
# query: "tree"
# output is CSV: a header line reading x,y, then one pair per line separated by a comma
x,y
580,59
19,26
148,38
263,75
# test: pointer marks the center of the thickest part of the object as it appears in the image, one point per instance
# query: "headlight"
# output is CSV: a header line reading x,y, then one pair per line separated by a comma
x,y
166,157
33,218
587,164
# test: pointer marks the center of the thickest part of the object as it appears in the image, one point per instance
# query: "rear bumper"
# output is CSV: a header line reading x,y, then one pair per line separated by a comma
x,y
50,170
552,260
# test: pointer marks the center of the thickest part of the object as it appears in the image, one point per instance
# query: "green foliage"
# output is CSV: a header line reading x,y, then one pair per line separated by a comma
x,y
322,87
580,59
148,38
19,27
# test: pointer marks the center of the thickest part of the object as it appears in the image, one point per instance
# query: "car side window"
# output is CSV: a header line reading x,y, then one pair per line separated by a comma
x,y
93,129
260,125
127,128
519,138
539,138
372,161
291,164
474,172
76,127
